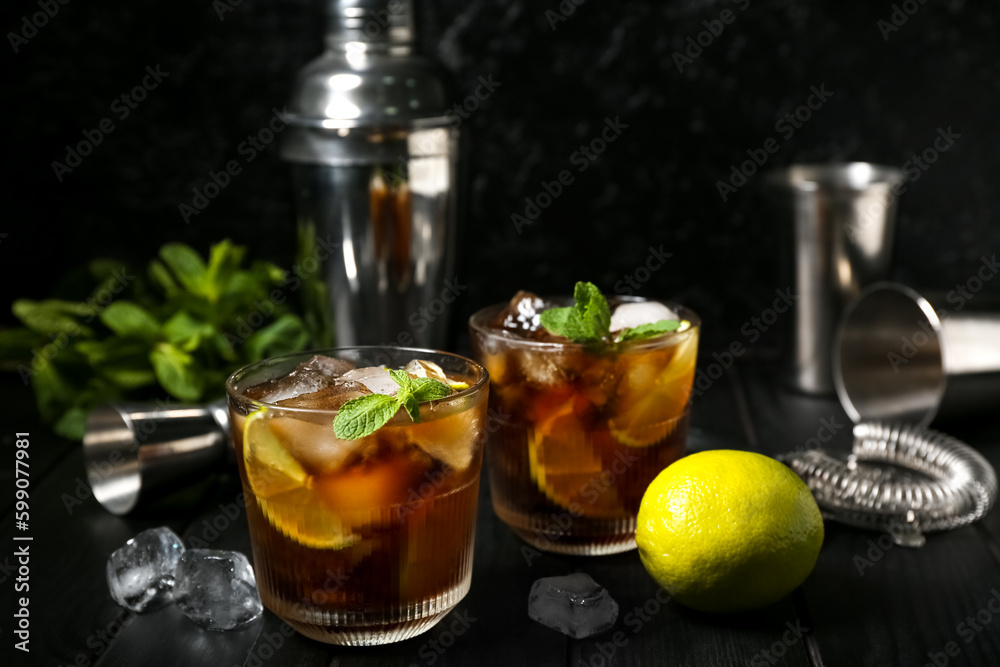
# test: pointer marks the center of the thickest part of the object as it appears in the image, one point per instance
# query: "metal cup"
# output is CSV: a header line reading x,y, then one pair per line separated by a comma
x,y
906,357
838,227
135,453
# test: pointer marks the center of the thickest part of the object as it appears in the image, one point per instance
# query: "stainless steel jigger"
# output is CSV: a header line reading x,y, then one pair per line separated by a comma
x,y
135,453
838,230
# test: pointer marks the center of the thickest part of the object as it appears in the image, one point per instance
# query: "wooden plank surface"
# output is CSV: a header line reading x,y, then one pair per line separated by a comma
x,y
872,602
907,607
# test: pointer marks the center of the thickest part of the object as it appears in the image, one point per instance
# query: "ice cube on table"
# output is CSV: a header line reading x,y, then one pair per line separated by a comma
x,y
375,378
217,589
631,315
141,573
574,605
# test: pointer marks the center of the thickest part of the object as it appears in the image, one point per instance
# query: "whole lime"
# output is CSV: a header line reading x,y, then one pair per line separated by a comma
x,y
728,531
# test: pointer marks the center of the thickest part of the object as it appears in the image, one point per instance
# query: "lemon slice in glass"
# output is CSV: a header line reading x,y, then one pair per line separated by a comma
x,y
653,393
564,459
283,489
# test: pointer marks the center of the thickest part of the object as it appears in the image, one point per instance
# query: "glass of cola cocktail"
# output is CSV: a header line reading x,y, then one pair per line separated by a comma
x,y
581,429
366,540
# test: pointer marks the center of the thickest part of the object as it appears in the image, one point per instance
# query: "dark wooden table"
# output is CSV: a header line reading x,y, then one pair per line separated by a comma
x,y
867,602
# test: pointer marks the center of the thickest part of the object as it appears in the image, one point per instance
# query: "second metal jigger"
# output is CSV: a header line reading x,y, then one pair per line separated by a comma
x,y
136,453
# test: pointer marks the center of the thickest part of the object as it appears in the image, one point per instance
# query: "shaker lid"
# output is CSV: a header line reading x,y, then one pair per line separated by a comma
x,y
369,75
370,21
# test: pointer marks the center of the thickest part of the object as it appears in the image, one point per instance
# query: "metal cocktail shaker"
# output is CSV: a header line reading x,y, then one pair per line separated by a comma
x,y
374,155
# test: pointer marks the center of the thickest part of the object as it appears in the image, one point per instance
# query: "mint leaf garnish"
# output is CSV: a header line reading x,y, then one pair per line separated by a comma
x,y
565,322
363,416
402,378
648,330
429,389
588,320
596,312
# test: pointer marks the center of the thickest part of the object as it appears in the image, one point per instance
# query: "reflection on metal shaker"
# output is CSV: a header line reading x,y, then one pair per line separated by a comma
x,y
374,158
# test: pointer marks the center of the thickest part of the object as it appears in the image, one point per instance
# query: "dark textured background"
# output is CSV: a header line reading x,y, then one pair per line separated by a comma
x,y
654,186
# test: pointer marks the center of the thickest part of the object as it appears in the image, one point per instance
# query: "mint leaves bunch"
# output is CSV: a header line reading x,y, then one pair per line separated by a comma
x,y
360,417
588,320
178,328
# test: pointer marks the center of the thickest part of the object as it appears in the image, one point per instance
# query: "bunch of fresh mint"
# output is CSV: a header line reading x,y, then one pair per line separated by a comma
x,y
180,327
588,320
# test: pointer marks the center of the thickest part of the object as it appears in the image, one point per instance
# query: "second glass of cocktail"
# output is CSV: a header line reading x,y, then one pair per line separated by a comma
x,y
360,468
582,428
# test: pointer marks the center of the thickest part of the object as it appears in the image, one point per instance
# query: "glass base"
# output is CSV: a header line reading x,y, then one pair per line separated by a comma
x,y
369,628
580,536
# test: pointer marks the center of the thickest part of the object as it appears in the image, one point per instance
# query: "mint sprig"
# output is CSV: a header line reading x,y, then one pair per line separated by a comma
x,y
360,417
588,320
